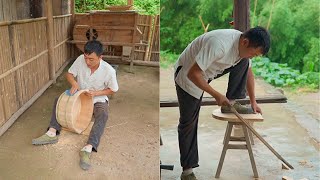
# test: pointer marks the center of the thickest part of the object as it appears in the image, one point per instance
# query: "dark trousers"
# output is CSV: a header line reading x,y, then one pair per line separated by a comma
x,y
100,113
189,108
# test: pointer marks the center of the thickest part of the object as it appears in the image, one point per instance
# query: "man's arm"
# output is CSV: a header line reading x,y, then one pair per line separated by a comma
x,y
251,91
72,82
106,92
196,76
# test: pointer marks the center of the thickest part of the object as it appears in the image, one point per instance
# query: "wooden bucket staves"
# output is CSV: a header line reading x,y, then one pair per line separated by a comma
x,y
74,112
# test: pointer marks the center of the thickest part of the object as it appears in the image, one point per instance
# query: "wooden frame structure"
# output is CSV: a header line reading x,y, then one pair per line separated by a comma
x,y
128,37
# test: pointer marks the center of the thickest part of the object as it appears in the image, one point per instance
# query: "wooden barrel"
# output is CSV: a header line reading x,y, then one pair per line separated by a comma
x,y
74,112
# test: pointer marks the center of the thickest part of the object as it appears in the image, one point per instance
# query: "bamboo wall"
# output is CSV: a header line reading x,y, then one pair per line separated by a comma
x,y
24,66
61,33
14,10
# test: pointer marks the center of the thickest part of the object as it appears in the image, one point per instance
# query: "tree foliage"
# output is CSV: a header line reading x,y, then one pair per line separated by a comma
x,y
150,7
294,27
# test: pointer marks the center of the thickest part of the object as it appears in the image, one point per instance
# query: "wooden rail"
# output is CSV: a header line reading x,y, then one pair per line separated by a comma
x,y
208,101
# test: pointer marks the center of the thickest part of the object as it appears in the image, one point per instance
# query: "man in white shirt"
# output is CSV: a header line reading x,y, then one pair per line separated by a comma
x,y
96,75
210,56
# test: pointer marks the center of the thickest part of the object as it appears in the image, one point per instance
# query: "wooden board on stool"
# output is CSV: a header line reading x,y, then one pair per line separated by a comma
x,y
217,114
86,132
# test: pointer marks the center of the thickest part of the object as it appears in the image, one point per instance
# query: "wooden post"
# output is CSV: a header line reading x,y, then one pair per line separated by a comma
x,y
133,41
72,11
269,21
241,14
149,39
73,21
50,39
152,36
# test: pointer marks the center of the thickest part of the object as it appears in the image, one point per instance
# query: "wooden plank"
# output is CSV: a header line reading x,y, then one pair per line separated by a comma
x,y
237,146
127,62
217,114
208,101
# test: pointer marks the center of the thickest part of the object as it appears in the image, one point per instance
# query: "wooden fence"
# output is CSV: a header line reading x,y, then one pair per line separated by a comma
x,y
149,46
24,62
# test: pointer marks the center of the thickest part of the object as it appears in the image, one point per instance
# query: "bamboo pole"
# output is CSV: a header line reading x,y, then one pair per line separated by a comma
x,y
152,36
271,11
205,28
50,39
149,39
62,16
258,136
254,11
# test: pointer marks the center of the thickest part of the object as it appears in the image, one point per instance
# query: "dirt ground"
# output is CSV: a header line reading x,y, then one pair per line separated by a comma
x,y
129,147
292,129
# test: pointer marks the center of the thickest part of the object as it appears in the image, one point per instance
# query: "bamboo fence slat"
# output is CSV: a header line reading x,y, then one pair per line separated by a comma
x,y
5,50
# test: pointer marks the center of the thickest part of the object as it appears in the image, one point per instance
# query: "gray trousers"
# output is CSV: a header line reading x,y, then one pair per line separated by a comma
x,y
189,108
100,113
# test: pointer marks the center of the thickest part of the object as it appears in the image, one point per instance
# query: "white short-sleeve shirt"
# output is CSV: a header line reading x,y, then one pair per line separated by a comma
x,y
213,51
104,77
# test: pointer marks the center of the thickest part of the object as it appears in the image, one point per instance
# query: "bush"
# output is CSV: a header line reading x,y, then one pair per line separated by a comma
x,y
281,75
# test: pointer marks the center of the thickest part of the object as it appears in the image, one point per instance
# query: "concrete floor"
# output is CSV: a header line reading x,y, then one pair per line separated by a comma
x,y
280,129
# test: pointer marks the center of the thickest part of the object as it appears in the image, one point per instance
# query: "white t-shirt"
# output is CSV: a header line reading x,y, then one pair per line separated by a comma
x,y
104,77
214,52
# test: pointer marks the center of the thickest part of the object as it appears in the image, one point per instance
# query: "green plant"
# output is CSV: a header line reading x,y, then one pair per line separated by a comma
x,y
281,75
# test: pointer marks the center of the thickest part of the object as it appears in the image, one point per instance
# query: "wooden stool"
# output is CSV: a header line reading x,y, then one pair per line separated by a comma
x,y
233,120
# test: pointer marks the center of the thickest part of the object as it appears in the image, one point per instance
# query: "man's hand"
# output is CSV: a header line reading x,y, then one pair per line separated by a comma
x,y
74,88
256,108
90,93
222,100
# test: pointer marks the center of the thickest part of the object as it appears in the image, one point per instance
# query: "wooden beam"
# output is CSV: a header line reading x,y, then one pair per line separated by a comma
x,y
50,40
209,101
241,14
127,62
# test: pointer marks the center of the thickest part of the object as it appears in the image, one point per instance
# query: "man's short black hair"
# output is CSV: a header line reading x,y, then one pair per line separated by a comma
x,y
258,37
93,46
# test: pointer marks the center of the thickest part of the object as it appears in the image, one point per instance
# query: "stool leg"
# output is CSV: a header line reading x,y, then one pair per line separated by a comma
x,y
225,147
225,134
250,134
251,137
253,164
